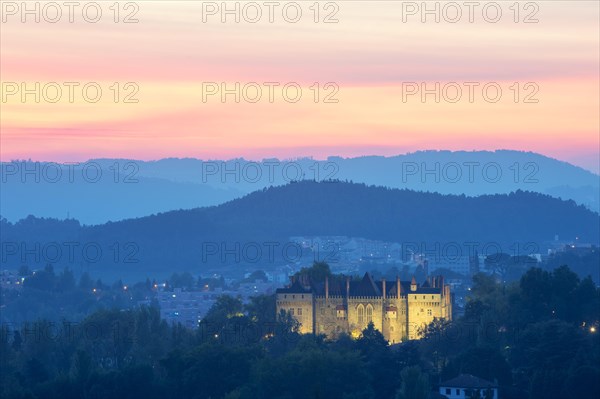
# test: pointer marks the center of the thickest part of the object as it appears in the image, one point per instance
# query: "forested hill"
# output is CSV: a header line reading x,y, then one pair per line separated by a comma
x,y
174,239
102,190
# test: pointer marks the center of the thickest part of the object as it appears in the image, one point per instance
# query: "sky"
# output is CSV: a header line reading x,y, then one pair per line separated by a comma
x,y
525,79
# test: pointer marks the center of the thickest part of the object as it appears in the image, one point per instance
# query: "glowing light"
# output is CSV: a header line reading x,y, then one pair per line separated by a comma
x,y
592,329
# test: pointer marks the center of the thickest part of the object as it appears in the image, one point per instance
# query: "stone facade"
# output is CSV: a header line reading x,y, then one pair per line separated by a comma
x,y
398,309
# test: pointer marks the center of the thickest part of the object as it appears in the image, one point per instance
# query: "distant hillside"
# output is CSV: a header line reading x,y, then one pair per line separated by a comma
x,y
141,188
178,240
96,202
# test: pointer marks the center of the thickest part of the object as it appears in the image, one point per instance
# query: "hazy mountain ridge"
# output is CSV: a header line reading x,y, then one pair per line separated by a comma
x,y
145,187
104,200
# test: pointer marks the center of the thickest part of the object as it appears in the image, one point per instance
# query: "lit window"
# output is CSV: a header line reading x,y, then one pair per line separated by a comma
x,y
361,314
369,313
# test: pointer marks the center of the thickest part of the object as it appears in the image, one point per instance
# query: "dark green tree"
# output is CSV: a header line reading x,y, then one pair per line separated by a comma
x,y
415,384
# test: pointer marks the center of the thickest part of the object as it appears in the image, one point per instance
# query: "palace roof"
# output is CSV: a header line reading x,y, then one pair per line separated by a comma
x,y
366,287
295,288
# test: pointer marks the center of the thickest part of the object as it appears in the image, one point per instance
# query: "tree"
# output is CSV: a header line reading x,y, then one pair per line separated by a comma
x,y
66,280
543,354
184,280
371,339
287,322
486,362
85,281
81,368
257,275
225,315
225,307
261,310
43,280
415,384
17,341
438,341
379,360
497,263
209,371
312,371
24,271
317,272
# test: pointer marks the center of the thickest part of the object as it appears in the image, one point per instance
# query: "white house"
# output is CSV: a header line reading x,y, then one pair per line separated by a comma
x,y
465,386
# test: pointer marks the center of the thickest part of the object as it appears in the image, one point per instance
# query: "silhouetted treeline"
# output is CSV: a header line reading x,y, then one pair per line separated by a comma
x,y
521,222
54,295
538,338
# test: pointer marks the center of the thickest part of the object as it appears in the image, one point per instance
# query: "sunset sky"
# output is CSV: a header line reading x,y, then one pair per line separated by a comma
x,y
369,54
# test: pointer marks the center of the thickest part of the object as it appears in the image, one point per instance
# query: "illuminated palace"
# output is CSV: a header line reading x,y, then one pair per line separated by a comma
x,y
398,309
